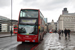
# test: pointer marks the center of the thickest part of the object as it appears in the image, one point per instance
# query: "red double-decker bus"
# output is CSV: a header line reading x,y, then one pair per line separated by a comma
x,y
15,29
30,25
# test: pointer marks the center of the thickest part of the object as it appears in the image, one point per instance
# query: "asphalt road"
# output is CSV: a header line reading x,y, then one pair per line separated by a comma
x,y
50,41
10,43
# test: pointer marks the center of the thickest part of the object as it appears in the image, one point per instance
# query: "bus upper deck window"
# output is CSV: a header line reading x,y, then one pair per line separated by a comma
x,y
22,14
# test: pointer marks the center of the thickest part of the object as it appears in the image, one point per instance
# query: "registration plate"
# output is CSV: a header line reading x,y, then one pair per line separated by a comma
x,y
27,41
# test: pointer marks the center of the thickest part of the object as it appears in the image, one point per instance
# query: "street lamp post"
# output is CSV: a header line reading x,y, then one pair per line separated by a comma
x,y
11,18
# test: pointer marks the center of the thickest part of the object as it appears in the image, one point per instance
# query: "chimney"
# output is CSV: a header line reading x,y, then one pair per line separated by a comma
x,y
64,11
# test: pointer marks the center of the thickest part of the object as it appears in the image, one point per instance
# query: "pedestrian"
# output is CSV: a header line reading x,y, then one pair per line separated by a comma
x,y
59,32
65,31
11,32
69,33
55,31
62,32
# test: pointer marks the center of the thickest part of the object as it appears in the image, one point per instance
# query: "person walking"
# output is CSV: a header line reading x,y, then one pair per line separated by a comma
x,y
69,33
65,31
62,32
11,32
59,32
55,31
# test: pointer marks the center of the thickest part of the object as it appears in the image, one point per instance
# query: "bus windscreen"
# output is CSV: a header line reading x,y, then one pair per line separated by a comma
x,y
27,29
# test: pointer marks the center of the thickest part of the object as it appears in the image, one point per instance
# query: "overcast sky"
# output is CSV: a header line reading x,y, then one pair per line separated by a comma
x,y
51,9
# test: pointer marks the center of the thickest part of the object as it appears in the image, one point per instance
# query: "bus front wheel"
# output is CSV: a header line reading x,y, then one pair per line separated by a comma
x,y
23,42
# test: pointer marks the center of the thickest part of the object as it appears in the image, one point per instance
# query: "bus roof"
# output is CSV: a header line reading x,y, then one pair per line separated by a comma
x,y
30,9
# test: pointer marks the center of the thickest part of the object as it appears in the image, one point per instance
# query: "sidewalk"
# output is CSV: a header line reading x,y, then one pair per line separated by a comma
x,y
6,35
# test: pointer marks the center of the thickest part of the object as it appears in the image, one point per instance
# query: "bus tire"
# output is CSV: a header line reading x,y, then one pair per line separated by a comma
x,y
23,42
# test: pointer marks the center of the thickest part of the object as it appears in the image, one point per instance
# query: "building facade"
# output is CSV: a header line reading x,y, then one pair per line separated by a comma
x,y
52,25
66,20
45,19
5,24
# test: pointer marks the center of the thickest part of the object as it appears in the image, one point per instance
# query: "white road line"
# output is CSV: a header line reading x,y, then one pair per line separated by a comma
x,y
8,48
52,42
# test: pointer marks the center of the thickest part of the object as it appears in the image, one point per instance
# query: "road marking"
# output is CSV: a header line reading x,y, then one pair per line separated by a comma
x,y
9,47
52,43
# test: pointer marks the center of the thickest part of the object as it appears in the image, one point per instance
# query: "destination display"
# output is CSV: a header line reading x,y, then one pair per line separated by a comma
x,y
25,21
